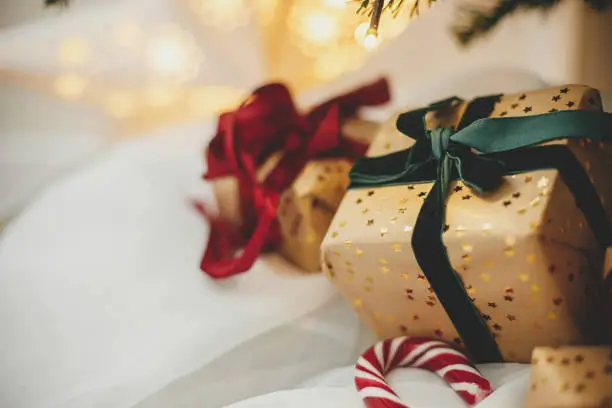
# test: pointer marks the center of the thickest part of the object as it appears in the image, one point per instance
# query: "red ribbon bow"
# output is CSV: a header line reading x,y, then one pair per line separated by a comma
x,y
266,122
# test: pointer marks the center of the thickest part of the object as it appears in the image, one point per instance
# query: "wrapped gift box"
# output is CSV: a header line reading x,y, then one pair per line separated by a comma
x,y
571,377
312,153
524,253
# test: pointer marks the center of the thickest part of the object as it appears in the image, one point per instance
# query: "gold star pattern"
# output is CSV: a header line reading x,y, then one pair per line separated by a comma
x,y
357,302
543,182
359,252
409,292
334,234
523,277
397,247
384,269
404,276
384,231
485,277
348,243
370,222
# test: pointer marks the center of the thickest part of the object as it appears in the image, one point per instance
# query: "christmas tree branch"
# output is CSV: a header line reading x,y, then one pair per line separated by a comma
x,y
473,21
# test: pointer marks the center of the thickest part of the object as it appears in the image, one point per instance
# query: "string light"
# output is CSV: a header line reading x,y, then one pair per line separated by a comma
x,y
361,32
173,54
319,28
371,39
70,85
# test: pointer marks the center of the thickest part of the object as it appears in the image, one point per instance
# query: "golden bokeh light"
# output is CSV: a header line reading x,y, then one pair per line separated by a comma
x,y
74,51
70,86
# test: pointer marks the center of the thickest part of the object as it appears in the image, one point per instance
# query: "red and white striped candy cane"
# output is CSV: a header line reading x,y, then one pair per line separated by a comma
x,y
418,352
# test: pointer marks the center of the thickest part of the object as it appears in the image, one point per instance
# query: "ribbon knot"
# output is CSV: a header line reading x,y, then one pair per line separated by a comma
x,y
440,139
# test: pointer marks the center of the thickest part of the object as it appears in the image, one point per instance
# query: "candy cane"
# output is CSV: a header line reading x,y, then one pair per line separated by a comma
x,y
432,355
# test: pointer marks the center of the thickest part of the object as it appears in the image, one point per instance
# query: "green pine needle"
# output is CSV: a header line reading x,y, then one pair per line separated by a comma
x,y
472,21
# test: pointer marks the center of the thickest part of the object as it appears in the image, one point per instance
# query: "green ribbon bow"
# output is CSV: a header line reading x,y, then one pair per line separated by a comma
x,y
480,154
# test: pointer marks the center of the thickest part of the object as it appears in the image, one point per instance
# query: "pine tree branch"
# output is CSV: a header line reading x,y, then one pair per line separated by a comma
x,y
61,3
474,22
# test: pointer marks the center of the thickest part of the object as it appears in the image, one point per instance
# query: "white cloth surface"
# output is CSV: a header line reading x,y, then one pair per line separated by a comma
x,y
417,388
41,138
101,298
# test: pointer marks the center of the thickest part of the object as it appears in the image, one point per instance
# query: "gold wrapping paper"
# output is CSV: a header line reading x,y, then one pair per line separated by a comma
x,y
308,206
525,253
571,377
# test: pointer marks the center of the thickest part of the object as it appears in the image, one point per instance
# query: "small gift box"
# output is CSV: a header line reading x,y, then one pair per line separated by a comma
x,y
279,175
571,377
487,231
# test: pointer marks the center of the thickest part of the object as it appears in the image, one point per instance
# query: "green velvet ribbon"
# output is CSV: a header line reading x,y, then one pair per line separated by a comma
x,y
481,154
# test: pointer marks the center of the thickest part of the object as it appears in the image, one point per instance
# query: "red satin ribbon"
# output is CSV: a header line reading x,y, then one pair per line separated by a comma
x,y
266,122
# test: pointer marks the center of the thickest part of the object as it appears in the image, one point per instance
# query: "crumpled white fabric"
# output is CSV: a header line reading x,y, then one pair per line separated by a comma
x,y
101,299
